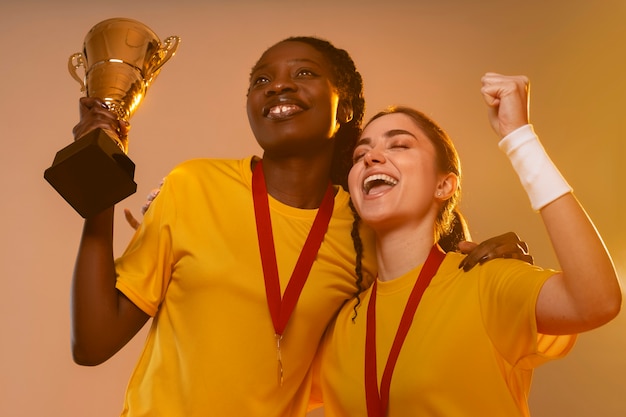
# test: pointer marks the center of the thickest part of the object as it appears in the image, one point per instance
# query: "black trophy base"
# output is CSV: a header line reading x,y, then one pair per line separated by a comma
x,y
92,173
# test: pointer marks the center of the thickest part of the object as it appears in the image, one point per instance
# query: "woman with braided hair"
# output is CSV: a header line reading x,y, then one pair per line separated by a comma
x,y
429,339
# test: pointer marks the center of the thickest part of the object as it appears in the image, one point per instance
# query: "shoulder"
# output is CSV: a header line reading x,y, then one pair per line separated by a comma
x,y
342,201
512,278
497,272
199,164
211,167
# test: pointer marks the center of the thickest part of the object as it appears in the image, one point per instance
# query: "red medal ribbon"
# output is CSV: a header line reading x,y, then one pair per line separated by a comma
x,y
377,404
281,309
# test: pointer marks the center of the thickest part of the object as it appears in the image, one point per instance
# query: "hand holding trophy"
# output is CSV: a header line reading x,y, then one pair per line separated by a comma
x,y
121,58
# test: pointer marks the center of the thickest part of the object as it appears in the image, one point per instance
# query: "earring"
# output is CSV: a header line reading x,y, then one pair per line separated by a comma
x,y
438,193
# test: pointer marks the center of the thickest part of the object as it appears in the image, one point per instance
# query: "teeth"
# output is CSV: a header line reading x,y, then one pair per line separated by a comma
x,y
378,179
283,110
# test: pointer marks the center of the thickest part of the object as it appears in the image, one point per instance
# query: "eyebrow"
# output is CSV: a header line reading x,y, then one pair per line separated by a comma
x,y
388,134
290,62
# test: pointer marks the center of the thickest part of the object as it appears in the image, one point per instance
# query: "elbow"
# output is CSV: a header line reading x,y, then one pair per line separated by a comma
x,y
79,360
86,360
86,357
613,308
606,310
613,304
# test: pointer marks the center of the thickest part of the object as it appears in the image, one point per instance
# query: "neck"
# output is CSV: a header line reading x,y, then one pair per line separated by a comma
x,y
297,182
401,250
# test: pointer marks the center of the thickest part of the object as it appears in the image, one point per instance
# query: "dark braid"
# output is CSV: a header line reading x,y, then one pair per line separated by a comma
x,y
358,248
457,232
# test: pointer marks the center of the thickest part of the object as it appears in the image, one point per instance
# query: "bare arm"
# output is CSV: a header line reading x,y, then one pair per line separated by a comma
x,y
587,293
103,319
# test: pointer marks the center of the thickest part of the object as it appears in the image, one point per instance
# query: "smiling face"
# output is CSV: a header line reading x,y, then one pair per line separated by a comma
x,y
396,179
292,100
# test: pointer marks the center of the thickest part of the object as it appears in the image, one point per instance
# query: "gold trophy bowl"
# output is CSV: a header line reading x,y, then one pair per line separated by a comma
x,y
120,60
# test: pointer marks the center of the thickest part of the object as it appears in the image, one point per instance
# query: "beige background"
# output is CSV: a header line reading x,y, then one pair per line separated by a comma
x,y
422,53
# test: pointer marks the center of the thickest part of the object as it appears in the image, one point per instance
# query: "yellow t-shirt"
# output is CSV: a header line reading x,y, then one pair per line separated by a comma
x,y
470,351
194,265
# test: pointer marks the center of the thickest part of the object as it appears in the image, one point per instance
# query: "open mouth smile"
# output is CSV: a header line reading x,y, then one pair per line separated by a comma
x,y
378,180
283,111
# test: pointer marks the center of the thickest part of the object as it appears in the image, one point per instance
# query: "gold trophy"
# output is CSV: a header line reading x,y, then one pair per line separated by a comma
x,y
120,59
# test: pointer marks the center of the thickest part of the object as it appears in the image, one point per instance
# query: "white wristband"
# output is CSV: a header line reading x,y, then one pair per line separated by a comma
x,y
539,176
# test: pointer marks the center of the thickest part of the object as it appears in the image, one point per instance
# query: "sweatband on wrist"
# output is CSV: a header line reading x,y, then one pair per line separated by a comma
x,y
539,176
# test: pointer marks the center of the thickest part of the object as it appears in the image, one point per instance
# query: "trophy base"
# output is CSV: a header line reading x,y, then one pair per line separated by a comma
x,y
92,173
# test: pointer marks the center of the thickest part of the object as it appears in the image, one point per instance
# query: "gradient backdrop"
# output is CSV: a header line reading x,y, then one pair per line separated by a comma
x,y
421,53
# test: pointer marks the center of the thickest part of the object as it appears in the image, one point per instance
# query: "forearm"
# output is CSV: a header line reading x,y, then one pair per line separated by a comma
x,y
586,294
99,312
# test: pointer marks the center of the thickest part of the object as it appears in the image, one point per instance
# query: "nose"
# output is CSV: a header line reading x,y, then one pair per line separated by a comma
x,y
374,156
280,85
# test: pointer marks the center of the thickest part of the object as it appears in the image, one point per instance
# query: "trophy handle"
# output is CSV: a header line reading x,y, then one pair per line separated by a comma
x,y
170,45
76,61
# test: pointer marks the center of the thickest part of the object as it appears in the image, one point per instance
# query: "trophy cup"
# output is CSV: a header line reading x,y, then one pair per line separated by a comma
x,y
120,59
